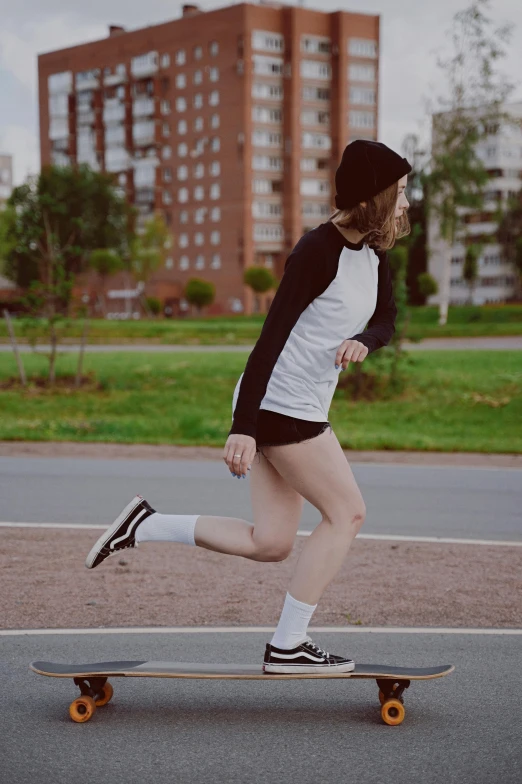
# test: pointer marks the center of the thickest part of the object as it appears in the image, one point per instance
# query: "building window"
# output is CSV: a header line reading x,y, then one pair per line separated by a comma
x,y
265,209
313,69
199,193
182,172
166,152
215,237
199,215
315,93
267,163
267,139
214,74
319,141
310,117
214,121
215,169
180,57
182,150
362,95
181,104
166,197
182,127
200,261
268,233
184,263
213,48
183,195
199,171
165,60
165,107
215,144
267,41
314,187
165,128
215,191
261,186
199,238
361,73
198,52
181,81
216,261
268,66
167,174
215,214
362,47
198,124
362,119
266,115
197,101
183,240
314,44
183,216
198,77
213,98
169,262
269,91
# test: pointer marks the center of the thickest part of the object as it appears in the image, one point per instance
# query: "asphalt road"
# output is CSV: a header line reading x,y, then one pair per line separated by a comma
x,y
464,728
474,503
462,344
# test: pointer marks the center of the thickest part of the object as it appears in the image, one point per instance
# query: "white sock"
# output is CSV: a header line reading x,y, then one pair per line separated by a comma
x,y
167,528
293,623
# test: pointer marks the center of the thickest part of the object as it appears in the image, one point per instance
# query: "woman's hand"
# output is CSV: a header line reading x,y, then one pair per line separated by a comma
x,y
245,447
350,350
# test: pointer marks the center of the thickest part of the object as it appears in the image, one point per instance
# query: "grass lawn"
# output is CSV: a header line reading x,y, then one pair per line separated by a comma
x,y
463,321
455,401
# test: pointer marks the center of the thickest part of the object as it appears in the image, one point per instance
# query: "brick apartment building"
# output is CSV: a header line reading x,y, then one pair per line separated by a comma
x,y
230,122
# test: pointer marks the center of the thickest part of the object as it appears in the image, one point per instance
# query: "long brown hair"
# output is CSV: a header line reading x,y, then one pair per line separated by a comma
x,y
377,220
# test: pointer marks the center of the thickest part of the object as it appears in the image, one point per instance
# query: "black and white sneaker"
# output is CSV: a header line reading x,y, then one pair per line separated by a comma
x,y
305,658
121,534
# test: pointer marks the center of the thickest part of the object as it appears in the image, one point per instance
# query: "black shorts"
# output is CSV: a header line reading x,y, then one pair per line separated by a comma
x,y
275,429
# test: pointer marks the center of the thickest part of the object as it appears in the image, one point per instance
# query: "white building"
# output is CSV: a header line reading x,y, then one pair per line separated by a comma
x,y
501,155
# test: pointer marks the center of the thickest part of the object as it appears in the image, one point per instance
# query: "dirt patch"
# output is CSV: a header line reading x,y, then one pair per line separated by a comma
x,y
171,452
46,585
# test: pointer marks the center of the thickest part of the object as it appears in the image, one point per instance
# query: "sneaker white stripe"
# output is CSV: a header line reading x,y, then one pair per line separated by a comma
x,y
130,529
298,655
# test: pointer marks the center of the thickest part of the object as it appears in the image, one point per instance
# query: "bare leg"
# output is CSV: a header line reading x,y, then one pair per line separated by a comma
x,y
319,471
276,509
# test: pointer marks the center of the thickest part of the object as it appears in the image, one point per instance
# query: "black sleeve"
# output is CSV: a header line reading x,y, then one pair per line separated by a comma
x,y
381,326
308,271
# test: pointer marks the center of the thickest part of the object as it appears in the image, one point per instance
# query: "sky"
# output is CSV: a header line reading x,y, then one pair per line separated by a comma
x,y
413,34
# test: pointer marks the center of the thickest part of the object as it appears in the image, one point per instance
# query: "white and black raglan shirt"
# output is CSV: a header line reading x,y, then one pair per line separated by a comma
x,y
330,291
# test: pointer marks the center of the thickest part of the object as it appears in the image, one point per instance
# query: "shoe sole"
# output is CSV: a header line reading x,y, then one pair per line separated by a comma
x,y
109,533
307,669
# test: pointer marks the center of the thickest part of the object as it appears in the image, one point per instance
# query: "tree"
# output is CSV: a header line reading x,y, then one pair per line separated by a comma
x,y
105,263
470,268
76,206
148,251
199,292
260,279
473,111
52,224
510,238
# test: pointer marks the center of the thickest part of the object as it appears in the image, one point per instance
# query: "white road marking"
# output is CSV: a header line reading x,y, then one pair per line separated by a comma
x,y
257,629
377,537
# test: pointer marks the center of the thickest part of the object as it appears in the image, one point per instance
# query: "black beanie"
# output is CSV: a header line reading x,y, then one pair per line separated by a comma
x,y
366,168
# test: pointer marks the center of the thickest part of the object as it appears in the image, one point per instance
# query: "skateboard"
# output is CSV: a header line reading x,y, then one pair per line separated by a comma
x,y
97,691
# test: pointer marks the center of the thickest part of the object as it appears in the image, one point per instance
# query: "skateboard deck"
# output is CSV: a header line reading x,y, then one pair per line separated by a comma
x,y
96,690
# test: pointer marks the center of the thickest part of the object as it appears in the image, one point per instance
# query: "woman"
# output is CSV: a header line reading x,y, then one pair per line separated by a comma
x,y
336,280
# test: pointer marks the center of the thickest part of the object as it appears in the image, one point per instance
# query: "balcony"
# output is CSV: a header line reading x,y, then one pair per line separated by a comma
x,y
144,65
113,111
143,107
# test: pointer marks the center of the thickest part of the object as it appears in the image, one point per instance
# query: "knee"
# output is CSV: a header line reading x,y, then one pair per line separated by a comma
x,y
354,519
272,551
